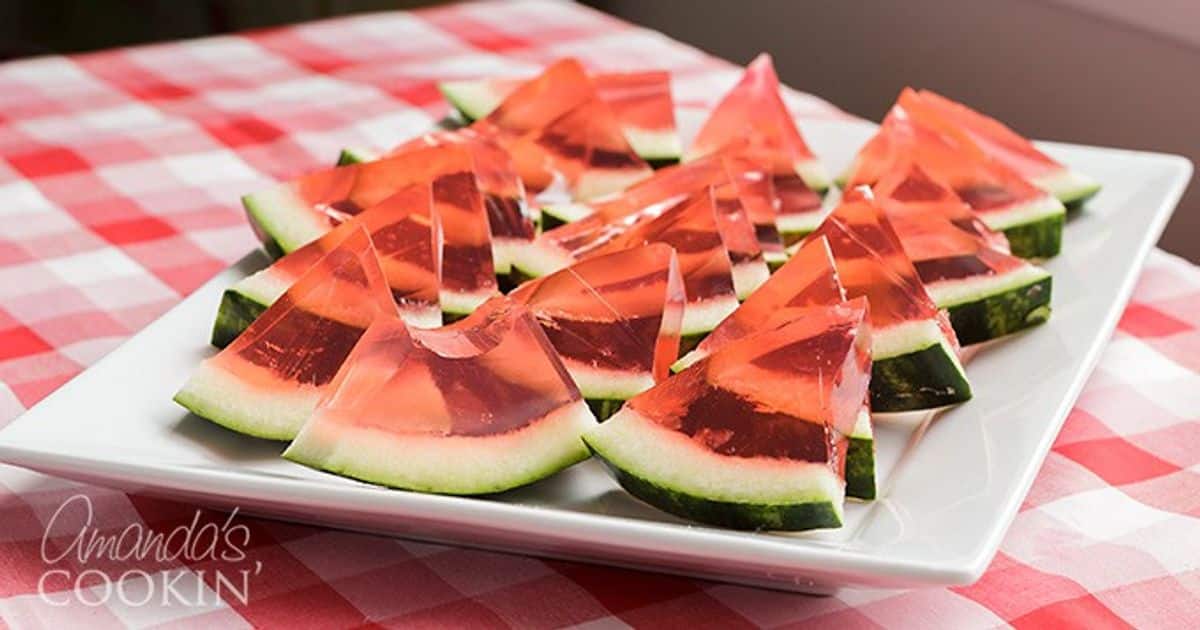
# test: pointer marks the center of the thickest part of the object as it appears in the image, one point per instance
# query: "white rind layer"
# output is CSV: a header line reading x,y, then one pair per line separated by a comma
x,y
599,182
568,212
800,222
862,426
702,317
687,360
1067,185
904,338
452,464
775,258
361,154
653,144
541,259
954,292
219,396
748,276
672,460
462,303
262,287
602,384
285,217
474,99
813,172
1023,213
505,251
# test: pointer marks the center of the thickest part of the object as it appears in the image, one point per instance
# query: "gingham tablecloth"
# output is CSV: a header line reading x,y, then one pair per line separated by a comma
x,y
119,180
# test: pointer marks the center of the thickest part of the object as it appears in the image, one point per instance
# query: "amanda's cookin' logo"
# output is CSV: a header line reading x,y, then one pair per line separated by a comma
x,y
72,571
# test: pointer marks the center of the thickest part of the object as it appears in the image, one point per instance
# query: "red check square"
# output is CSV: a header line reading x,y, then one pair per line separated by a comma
x,y
48,161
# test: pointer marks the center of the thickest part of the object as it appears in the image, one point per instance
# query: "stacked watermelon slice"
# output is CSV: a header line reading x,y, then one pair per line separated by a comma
x,y
479,308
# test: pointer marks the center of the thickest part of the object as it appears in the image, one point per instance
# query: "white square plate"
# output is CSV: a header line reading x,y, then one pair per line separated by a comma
x,y
950,487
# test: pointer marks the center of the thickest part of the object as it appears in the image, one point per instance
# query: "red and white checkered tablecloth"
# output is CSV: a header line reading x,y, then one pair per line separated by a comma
x,y
119,178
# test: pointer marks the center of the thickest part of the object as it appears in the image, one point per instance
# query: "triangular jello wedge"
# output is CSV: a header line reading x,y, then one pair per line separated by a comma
x,y
754,435
477,407
750,268
614,319
1030,218
754,110
1016,152
641,102
267,382
808,279
565,141
468,273
290,215
753,185
512,219
914,349
987,292
406,240
693,229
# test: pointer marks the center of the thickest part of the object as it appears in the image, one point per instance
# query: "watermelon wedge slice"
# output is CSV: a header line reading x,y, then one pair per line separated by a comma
x,y
565,141
468,273
513,222
987,292
267,382
1016,152
754,110
751,185
1030,218
293,214
754,435
693,229
405,238
477,407
913,346
641,102
614,320
808,279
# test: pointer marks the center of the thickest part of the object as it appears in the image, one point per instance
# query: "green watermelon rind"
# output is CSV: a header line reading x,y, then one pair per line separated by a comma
x,y
457,465
1070,187
713,489
914,367
748,276
814,174
472,100
860,460
216,395
283,221
356,155
556,214
994,306
1034,229
235,314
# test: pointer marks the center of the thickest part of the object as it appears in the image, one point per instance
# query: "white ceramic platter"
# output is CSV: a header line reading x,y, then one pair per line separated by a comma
x,y
950,487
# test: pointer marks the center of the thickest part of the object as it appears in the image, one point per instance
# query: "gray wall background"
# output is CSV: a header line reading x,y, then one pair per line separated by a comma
x,y
1071,70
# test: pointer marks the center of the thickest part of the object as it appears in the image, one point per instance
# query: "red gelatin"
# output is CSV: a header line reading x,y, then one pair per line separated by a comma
x,y
566,142
692,228
468,272
614,319
790,393
809,279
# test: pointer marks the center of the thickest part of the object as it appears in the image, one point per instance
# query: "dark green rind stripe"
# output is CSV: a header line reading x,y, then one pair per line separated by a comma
x,y
662,162
234,315
925,379
747,516
346,158
687,343
860,468
1040,239
1002,314
791,238
604,408
551,220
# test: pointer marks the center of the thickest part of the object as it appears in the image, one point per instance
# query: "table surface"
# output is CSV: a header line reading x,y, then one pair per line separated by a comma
x,y
119,180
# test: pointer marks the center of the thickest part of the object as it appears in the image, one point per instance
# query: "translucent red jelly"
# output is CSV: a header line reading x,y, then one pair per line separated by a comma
x,y
620,312
692,229
912,129
994,137
565,141
871,262
499,182
640,100
808,279
467,267
792,392
488,374
308,332
754,110
912,191
408,240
